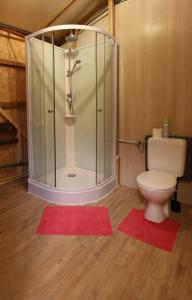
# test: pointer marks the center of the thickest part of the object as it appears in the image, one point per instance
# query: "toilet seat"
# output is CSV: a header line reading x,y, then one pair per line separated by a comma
x,y
156,180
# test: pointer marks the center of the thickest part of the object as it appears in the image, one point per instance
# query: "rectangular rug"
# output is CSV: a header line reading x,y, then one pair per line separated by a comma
x,y
75,220
162,235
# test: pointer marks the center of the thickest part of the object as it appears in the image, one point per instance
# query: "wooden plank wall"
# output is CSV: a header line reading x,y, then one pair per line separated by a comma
x,y
155,73
12,90
155,40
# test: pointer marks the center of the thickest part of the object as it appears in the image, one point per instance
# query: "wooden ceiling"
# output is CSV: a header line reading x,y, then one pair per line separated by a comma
x,y
32,15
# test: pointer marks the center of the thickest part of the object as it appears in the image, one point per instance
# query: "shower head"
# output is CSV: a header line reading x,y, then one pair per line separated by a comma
x,y
71,38
69,73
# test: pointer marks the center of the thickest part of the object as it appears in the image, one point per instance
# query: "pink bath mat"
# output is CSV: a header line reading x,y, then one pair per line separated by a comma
x,y
161,235
75,220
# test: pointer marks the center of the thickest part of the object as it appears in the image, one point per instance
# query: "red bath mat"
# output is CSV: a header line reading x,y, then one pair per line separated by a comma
x,y
75,220
161,235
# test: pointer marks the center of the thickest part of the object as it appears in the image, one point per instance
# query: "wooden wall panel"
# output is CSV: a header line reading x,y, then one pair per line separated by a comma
x,y
155,72
12,84
185,192
131,164
155,66
11,49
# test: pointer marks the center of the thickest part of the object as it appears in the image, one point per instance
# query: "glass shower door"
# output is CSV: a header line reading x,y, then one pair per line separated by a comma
x,y
110,109
60,58
84,80
42,106
100,107
105,107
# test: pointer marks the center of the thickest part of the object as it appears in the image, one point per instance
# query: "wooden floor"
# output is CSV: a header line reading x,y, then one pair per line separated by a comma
x,y
87,268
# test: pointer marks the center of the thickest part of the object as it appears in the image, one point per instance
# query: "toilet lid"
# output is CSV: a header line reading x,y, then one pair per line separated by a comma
x,y
156,180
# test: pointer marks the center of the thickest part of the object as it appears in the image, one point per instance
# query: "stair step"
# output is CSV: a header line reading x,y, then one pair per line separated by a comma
x,y
13,64
15,164
7,127
9,141
17,118
7,105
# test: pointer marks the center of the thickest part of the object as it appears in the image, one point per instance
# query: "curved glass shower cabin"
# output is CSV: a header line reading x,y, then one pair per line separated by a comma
x,y
71,113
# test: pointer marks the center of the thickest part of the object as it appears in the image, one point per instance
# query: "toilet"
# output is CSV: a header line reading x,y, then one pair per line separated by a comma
x,y
166,162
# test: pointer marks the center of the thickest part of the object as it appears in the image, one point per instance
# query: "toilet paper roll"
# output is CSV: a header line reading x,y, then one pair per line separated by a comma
x,y
157,133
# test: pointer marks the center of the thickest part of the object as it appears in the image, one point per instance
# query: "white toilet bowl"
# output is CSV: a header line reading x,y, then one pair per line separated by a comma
x,y
156,187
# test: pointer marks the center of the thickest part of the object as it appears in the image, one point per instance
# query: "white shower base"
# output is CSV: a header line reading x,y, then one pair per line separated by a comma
x,y
82,179
80,189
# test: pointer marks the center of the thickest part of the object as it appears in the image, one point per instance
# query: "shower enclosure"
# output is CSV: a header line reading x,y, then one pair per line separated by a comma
x,y
71,113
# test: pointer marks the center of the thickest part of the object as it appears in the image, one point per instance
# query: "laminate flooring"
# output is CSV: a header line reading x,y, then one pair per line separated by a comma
x,y
34,267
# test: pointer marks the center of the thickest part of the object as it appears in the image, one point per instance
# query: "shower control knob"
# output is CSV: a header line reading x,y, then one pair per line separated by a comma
x,y
50,111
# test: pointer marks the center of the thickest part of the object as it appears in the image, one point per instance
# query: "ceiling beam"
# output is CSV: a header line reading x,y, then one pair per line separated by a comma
x,y
60,13
14,30
93,14
111,9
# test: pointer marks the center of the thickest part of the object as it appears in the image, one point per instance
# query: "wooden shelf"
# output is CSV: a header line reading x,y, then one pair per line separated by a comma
x,y
11,64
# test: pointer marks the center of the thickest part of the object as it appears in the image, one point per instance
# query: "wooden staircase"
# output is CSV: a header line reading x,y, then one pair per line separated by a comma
x,y
13,129
15,113
8,151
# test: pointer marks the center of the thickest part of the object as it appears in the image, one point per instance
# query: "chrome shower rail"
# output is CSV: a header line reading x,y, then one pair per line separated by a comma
x,y
130,142
68,27
138,144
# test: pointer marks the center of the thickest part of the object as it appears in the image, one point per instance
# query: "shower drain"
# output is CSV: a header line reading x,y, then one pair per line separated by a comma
x,y
71,175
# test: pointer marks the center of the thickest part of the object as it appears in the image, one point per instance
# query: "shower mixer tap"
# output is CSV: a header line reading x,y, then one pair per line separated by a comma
x,y
70,104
